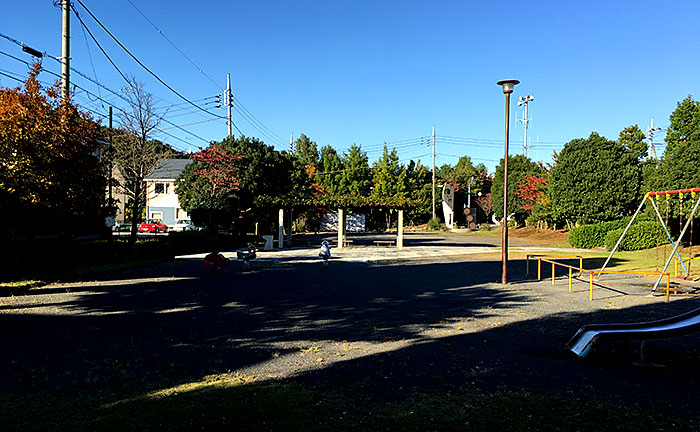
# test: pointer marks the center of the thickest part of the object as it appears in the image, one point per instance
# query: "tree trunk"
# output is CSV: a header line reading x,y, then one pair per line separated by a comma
x,y
135,213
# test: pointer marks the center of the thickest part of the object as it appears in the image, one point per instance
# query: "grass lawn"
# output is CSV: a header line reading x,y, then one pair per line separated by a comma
x,y
226,402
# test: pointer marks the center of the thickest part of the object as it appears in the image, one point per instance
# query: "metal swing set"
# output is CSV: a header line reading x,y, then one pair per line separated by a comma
x,y
651,197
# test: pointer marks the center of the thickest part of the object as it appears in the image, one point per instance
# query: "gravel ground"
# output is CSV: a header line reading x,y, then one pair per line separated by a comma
x,y
379,328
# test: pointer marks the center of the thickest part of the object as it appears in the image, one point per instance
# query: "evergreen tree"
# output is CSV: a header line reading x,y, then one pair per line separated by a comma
x,y
389,180
633,138
594,180
306,150
519,167
330,164
418,183
388,176
356,178
681,159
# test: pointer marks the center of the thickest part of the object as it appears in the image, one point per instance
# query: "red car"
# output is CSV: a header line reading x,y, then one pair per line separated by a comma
x,y
153,225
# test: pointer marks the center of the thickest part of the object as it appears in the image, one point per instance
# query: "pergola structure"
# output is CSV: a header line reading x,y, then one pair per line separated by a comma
x,y
342,216
342,204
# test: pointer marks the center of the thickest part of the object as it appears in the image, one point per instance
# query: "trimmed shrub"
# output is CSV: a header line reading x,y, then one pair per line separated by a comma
x,y
434,224
593,235
642,235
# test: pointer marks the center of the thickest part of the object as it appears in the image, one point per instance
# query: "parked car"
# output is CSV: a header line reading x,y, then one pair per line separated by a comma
x,y
122,227
153,225
183,225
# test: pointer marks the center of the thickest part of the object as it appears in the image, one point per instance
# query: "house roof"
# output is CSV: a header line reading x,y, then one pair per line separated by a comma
x,y
168,169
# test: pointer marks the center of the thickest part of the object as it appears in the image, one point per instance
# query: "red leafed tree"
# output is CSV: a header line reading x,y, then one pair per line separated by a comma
x,y
218,168
208,187
485,203
530,190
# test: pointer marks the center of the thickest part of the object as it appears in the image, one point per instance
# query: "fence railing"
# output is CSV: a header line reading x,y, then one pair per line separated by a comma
x,y
687,261
581,270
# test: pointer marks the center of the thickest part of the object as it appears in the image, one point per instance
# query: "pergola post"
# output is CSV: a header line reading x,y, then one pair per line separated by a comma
x,y
399,236
280,234
341,227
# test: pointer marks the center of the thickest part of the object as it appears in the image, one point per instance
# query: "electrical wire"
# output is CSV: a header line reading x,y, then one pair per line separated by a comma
x,y
98,45
98,97
173,45
143,65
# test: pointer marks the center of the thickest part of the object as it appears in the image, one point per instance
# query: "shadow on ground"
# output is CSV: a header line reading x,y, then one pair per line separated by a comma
x,y
429,326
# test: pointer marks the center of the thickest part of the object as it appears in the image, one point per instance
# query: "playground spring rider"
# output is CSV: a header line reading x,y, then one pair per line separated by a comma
x,y
247,254
325,252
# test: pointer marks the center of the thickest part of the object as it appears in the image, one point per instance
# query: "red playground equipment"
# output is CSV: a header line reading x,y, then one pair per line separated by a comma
x,y
213,262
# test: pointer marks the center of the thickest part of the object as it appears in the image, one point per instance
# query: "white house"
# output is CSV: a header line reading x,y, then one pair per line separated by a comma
x,y
161,199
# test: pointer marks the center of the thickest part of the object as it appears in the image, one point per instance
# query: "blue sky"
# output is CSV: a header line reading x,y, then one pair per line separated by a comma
x,y
385,71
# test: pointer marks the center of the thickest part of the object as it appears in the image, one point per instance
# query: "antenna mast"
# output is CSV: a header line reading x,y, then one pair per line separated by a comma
x,y
651,131
524,100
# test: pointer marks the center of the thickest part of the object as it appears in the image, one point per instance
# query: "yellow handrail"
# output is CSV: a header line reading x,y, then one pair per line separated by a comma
x,y
527,260
592,272
686,260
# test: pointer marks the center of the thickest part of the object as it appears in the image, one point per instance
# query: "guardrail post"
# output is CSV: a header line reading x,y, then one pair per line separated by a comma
x,y
580,265
527,265
675,267
570,269
590,286
553,271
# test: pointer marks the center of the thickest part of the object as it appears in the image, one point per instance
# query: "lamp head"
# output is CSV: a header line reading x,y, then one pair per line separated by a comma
x,y
508,85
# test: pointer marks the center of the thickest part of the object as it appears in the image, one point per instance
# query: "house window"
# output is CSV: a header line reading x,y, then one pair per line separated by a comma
x,y
157,215
162,188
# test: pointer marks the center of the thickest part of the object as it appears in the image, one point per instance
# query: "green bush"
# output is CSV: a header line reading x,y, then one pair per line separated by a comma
x,y
593,235
641,235
434,224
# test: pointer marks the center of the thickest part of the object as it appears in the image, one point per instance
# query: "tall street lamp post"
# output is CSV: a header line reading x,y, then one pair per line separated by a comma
x,y
508,86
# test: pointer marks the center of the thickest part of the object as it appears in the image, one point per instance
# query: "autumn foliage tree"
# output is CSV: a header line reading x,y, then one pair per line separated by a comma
x,y
530,190
50,177
208,187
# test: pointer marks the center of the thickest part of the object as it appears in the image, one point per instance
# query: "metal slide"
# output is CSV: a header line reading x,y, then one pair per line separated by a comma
x,y
584,339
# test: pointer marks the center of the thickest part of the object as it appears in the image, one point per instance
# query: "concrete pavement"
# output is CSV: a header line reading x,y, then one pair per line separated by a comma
x,y
417,246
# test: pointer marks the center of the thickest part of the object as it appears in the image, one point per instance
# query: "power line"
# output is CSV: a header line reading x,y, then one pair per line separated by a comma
x,y
98,44
105,101
257,124
143,65
173,44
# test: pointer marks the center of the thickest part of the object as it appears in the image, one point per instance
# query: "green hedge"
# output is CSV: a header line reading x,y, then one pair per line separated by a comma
x,y
641,235
593,235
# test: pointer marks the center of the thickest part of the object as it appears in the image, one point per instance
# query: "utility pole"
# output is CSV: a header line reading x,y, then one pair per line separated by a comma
x,y
433,172
110,200
650,131
524,100
110,166
291,143
65,53
229,103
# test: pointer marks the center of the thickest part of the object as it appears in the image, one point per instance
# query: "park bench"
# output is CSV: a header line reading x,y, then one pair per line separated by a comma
x,y
384,242
346,242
